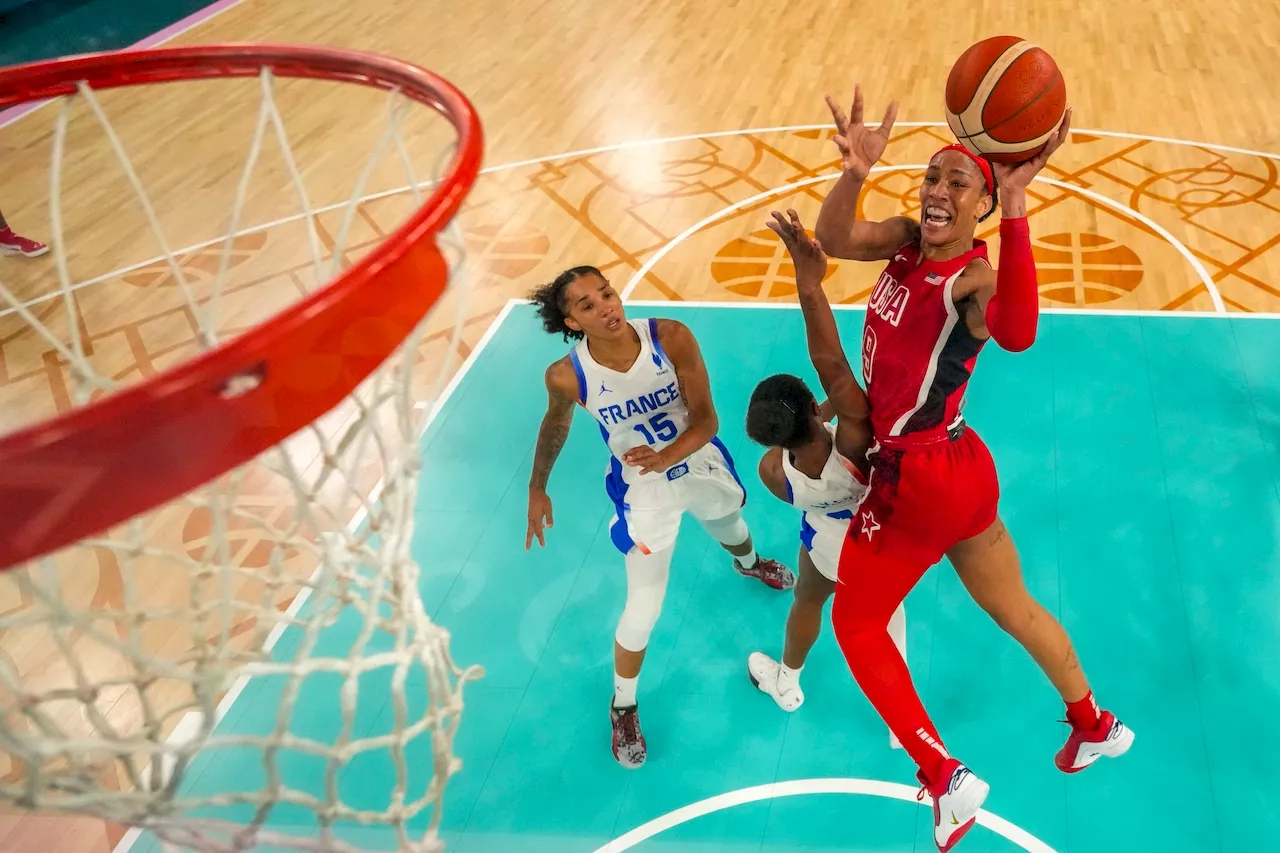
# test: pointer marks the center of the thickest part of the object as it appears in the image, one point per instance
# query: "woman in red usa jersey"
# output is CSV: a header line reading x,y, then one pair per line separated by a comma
x,y
933,489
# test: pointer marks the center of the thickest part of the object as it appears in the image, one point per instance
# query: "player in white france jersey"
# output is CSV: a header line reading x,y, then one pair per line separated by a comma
x,y
809,465
645,384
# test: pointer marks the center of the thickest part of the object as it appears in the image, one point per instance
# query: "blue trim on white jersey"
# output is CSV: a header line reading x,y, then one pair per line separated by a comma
x,y
806,532
616,488
806,529
659,354
791,496
728,460
582,378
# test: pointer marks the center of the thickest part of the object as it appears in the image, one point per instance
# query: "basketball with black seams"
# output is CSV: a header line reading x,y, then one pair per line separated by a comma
x,y
1005,97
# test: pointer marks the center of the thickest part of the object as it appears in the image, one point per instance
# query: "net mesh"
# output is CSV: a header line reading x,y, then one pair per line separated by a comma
x,y
252,664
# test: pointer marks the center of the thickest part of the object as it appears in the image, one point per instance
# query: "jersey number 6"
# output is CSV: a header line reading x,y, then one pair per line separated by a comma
x,y
663,428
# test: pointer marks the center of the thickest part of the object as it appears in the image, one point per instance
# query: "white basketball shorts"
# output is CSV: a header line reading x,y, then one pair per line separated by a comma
x,y
647,513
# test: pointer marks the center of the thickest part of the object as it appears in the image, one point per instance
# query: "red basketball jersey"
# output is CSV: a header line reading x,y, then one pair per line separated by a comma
x,y
917,352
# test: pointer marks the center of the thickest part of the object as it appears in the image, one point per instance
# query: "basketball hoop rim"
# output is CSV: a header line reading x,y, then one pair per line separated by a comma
x,y
90,468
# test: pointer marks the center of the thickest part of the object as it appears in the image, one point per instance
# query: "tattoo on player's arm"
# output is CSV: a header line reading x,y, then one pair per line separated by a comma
x,y
551,438
555,426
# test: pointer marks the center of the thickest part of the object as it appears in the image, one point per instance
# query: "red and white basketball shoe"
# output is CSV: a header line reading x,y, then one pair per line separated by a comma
x,y
1110,738
628,741
769,572
956,802
12,244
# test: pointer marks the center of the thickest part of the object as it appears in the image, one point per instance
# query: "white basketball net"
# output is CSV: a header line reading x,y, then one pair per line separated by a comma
x,y
120,655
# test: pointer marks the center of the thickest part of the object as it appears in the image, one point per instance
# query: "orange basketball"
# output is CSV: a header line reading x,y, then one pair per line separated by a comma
x,y
1005,97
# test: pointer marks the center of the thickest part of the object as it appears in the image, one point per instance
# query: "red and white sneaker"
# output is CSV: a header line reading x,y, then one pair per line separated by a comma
x,y
628,741
956,803
12,244
1110,738
769,572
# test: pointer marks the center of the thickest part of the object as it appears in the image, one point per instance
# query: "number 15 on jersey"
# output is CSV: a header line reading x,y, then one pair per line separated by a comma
x,y
660,428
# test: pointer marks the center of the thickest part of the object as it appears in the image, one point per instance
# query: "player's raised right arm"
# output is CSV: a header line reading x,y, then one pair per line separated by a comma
x,y
562,391
839,230
844,394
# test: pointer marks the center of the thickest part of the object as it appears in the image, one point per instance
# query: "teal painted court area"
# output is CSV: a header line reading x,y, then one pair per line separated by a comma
x,y
1140,467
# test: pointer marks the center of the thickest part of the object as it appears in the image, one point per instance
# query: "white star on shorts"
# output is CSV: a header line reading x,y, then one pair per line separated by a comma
x,y
869,524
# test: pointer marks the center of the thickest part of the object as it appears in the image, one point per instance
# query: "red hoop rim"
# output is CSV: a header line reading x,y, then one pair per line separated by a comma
x,y
86,470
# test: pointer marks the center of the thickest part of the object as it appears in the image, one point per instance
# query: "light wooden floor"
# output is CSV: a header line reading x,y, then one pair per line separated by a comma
x,y
1153,224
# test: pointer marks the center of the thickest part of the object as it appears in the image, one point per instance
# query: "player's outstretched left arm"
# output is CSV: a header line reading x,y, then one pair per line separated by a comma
x,y
1004,303
695,387
562,391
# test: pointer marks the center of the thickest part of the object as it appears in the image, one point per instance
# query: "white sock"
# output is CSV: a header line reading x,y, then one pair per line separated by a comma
x,y
748,560
624,691
788,678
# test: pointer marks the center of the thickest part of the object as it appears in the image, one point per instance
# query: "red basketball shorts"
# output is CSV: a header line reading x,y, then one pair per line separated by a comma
x,y
921,501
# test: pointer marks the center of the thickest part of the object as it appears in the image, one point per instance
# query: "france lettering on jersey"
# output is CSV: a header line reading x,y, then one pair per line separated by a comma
x,y
640,406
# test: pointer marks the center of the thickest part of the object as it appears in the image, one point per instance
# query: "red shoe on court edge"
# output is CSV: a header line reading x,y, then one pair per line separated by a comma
x,y
1110,739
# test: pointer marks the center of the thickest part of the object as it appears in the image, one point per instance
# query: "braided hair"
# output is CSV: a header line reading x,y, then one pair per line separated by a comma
x,y
549,299
780,412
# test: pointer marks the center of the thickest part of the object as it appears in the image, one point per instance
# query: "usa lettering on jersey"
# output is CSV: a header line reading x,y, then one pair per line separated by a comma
x,y
889,299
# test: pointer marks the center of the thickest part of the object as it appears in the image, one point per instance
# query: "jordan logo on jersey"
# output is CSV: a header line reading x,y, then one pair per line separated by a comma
x,y
889,299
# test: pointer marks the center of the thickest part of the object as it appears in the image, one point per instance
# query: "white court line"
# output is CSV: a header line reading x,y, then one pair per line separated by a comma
x,y
801,787
1124,210
195,19
794,128
185,726
604,149
725,211
859,306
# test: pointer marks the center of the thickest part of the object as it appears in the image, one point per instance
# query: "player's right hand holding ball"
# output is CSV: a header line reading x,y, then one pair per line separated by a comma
x,y
539,517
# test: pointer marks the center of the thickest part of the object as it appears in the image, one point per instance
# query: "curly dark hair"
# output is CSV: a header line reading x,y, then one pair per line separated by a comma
x,y
550,301
779,412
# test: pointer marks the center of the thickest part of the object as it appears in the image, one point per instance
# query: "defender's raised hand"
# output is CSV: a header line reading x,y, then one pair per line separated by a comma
x,y
806,252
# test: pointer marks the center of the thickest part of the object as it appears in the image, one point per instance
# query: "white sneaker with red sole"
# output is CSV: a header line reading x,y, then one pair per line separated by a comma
x,y
956,803
12,244
1109,739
